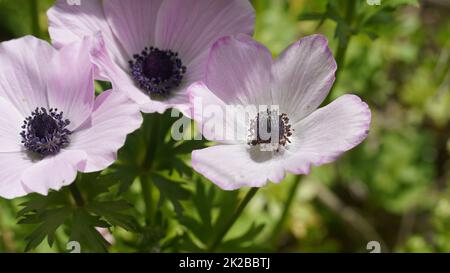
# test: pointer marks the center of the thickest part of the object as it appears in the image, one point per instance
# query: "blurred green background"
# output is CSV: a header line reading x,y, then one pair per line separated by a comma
x,y
394,188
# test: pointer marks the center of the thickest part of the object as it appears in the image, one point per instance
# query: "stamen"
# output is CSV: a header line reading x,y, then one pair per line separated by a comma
x,y
45,132
157,71
263,136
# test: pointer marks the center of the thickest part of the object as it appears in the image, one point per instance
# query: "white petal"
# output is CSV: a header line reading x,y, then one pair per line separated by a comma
x,y
113,118
133,22
53,172
192,26
71,82
13,165
215,121
327,133
239,71
23,72
70,23
235,166
10,127
303,76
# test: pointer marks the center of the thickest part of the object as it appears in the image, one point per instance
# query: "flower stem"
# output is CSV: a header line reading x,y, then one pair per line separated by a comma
x,y
76,194
145,180
225,228
146,189
287,205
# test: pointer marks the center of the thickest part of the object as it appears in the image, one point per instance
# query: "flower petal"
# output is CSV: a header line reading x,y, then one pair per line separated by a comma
x,y
13,165
239,71
123,82
320,138
120,79
192,26
10,127
303,76
113,118
327,133
133,22
235,166
54,172
215,122
71,82
23,77
70,23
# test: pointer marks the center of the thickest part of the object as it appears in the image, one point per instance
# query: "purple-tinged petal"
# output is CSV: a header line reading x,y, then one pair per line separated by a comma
x,y
70,23
327,133
53,172
190,27
10,127
106,234
320,138
23,73
13,165
120,79
235,166
133,22
215,123
239,71
113,118
303,76
71,82
123,82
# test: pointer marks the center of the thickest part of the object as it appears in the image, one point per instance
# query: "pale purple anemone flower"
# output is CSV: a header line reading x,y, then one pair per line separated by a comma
x,y
242,72
157,48
51,124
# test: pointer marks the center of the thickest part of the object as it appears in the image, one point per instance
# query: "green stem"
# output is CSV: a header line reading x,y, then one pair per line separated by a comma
x,y
34,12
153,139
287,206
147,195
76,194
225,228
148,165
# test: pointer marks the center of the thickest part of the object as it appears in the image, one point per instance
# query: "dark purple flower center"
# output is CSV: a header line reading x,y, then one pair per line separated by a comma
x,y
44,132
262,129
157,71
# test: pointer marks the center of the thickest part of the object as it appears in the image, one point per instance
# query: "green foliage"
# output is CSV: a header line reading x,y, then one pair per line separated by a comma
x,y
82,216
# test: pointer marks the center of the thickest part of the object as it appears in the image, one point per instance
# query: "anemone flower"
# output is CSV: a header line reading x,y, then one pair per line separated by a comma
x,y
241,72
156,48
51,124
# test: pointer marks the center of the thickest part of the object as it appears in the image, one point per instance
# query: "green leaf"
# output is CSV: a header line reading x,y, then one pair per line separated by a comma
x,y
94,184
227,203
172,190
51,220
247,237
198,229
186,147
126,175
181,167
112,211
203,202
39,203
83,231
